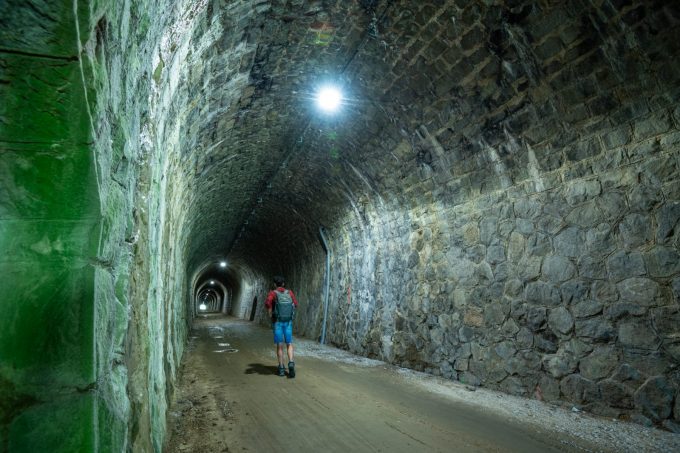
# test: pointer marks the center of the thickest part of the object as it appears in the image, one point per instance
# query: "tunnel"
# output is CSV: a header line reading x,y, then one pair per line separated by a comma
x,y
493,198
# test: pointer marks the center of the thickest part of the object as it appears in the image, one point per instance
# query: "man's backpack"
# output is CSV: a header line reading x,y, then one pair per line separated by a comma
x,y
284,310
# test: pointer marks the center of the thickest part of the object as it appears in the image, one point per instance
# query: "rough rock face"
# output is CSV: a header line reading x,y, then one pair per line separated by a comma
x,y
49,228
500,192
512,217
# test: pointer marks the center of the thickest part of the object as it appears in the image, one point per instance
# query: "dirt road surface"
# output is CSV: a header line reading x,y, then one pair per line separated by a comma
x,y
230,400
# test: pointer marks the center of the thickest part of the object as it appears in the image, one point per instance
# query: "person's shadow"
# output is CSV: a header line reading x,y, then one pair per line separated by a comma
x,y
258,368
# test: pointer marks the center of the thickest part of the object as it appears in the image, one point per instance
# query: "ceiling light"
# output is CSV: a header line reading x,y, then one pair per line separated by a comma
x,y
329,98
212,282
223,264
202,307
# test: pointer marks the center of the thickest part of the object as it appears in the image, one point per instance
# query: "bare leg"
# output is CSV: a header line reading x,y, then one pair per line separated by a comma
x,y
279,353
291,363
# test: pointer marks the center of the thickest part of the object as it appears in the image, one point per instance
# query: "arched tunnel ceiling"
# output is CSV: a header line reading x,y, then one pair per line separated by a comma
x,y
430,86
227,278
271,150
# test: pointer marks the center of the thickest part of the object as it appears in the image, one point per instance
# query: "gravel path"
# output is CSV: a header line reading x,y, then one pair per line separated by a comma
x,y
229,399
610,434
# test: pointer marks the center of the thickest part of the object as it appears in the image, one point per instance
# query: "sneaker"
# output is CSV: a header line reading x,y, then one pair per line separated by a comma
x,y
282,370
291,369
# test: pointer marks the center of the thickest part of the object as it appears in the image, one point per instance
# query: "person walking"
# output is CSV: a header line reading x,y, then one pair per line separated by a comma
x,y
281,304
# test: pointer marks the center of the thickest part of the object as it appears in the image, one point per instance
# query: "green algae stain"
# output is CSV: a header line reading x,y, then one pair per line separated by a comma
x,y
49,225
42,101
12,403
64,425
111,429
31,189
158,71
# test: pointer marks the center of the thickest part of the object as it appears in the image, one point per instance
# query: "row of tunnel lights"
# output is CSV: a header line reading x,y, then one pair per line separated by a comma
x,y
203,306
328,99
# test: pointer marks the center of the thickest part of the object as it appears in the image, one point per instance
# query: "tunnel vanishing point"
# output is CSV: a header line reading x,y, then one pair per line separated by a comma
x,y
499,193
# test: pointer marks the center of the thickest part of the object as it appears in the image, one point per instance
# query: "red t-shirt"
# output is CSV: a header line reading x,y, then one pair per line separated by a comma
x,y
269,303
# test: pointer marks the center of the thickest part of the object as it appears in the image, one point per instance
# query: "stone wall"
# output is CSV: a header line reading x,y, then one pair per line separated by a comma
x,y
94,221
535,249
163,83
569,293
501,196
49,231
500,193
136,58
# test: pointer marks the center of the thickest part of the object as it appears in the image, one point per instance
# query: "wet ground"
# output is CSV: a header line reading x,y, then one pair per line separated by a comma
x,y
230,400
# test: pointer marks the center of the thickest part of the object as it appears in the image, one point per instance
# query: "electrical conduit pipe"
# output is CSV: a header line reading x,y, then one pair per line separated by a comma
x,y
327,285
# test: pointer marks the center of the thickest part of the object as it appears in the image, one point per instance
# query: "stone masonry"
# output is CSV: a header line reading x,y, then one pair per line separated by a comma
x,y
500,190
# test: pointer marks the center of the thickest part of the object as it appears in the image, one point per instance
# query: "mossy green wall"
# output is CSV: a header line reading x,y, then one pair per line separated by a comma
x,y
92,222
49,232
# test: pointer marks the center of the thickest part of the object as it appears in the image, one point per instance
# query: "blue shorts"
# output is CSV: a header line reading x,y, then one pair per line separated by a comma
x,y
283,330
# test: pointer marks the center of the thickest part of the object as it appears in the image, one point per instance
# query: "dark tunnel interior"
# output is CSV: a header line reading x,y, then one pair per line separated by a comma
x,y
497,197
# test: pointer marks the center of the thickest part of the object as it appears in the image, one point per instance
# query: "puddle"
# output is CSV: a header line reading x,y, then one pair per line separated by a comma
x,y
223,345
231,350
216,332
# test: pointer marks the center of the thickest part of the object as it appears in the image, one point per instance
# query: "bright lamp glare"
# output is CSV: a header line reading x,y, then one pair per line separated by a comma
x,y
223,264
212,282
202,307
329,99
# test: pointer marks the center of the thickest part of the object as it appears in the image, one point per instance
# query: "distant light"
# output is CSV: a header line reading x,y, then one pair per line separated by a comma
x,y
223,264
212,282
329,99
202,307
